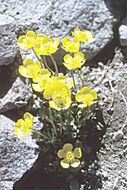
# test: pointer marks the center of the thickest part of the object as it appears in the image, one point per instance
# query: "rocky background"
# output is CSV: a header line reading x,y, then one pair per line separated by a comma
x,y
107,68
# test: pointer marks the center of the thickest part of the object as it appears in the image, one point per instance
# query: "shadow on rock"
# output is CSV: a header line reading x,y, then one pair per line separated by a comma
x,y
8,74
118,8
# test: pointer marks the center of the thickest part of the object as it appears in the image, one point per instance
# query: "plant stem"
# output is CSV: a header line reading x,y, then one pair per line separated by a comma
x,y
52,122
62,123
38,57
72,75
43,61
46,65
40,134
79,74
55,64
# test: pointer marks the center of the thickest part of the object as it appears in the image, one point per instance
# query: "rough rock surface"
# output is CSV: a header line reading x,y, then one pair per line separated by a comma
x,y
8,49
15,157
58,18
16,97
111,83
112,157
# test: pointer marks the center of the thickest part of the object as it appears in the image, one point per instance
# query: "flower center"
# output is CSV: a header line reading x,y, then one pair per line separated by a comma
x,y
69,156
59,101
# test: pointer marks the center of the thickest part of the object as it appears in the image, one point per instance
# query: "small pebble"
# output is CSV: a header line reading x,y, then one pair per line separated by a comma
x,y
118,135
101,65
123,35
124,146
105,175
116,183
125,152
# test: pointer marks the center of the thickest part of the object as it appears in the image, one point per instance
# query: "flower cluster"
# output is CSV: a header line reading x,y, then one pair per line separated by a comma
x,y
62,99
43,45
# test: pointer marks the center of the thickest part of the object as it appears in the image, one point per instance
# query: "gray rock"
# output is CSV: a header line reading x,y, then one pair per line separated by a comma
x,y
118,135
8,49
123,35
125,152
15,157
6,185
116,183
59,18
17,96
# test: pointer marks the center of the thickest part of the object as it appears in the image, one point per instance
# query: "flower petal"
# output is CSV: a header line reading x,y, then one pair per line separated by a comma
x,y
56,42
44,72
68,66
64,164
54,106
31,33
88,36
78,152
67,147
20,41
59,78
76,31
79,97
68,58
85,90
70,84
61,153
79,56
28,115
94,94
23,72
48,93
82,105
27,61
18,132
75,163
19,123
37,87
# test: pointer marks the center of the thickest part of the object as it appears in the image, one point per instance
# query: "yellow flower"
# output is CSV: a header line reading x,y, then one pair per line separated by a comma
x,y
70,84
69,156
27,41
41,79
74,62
59,78
52,86
24,126
70,45
62,79
86,96
29,69
61,100
42,74
45,45
58,93
60,96
85,36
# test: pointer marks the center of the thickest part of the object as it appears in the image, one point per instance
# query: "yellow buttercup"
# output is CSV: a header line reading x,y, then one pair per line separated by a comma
x,y
70,157
24,126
